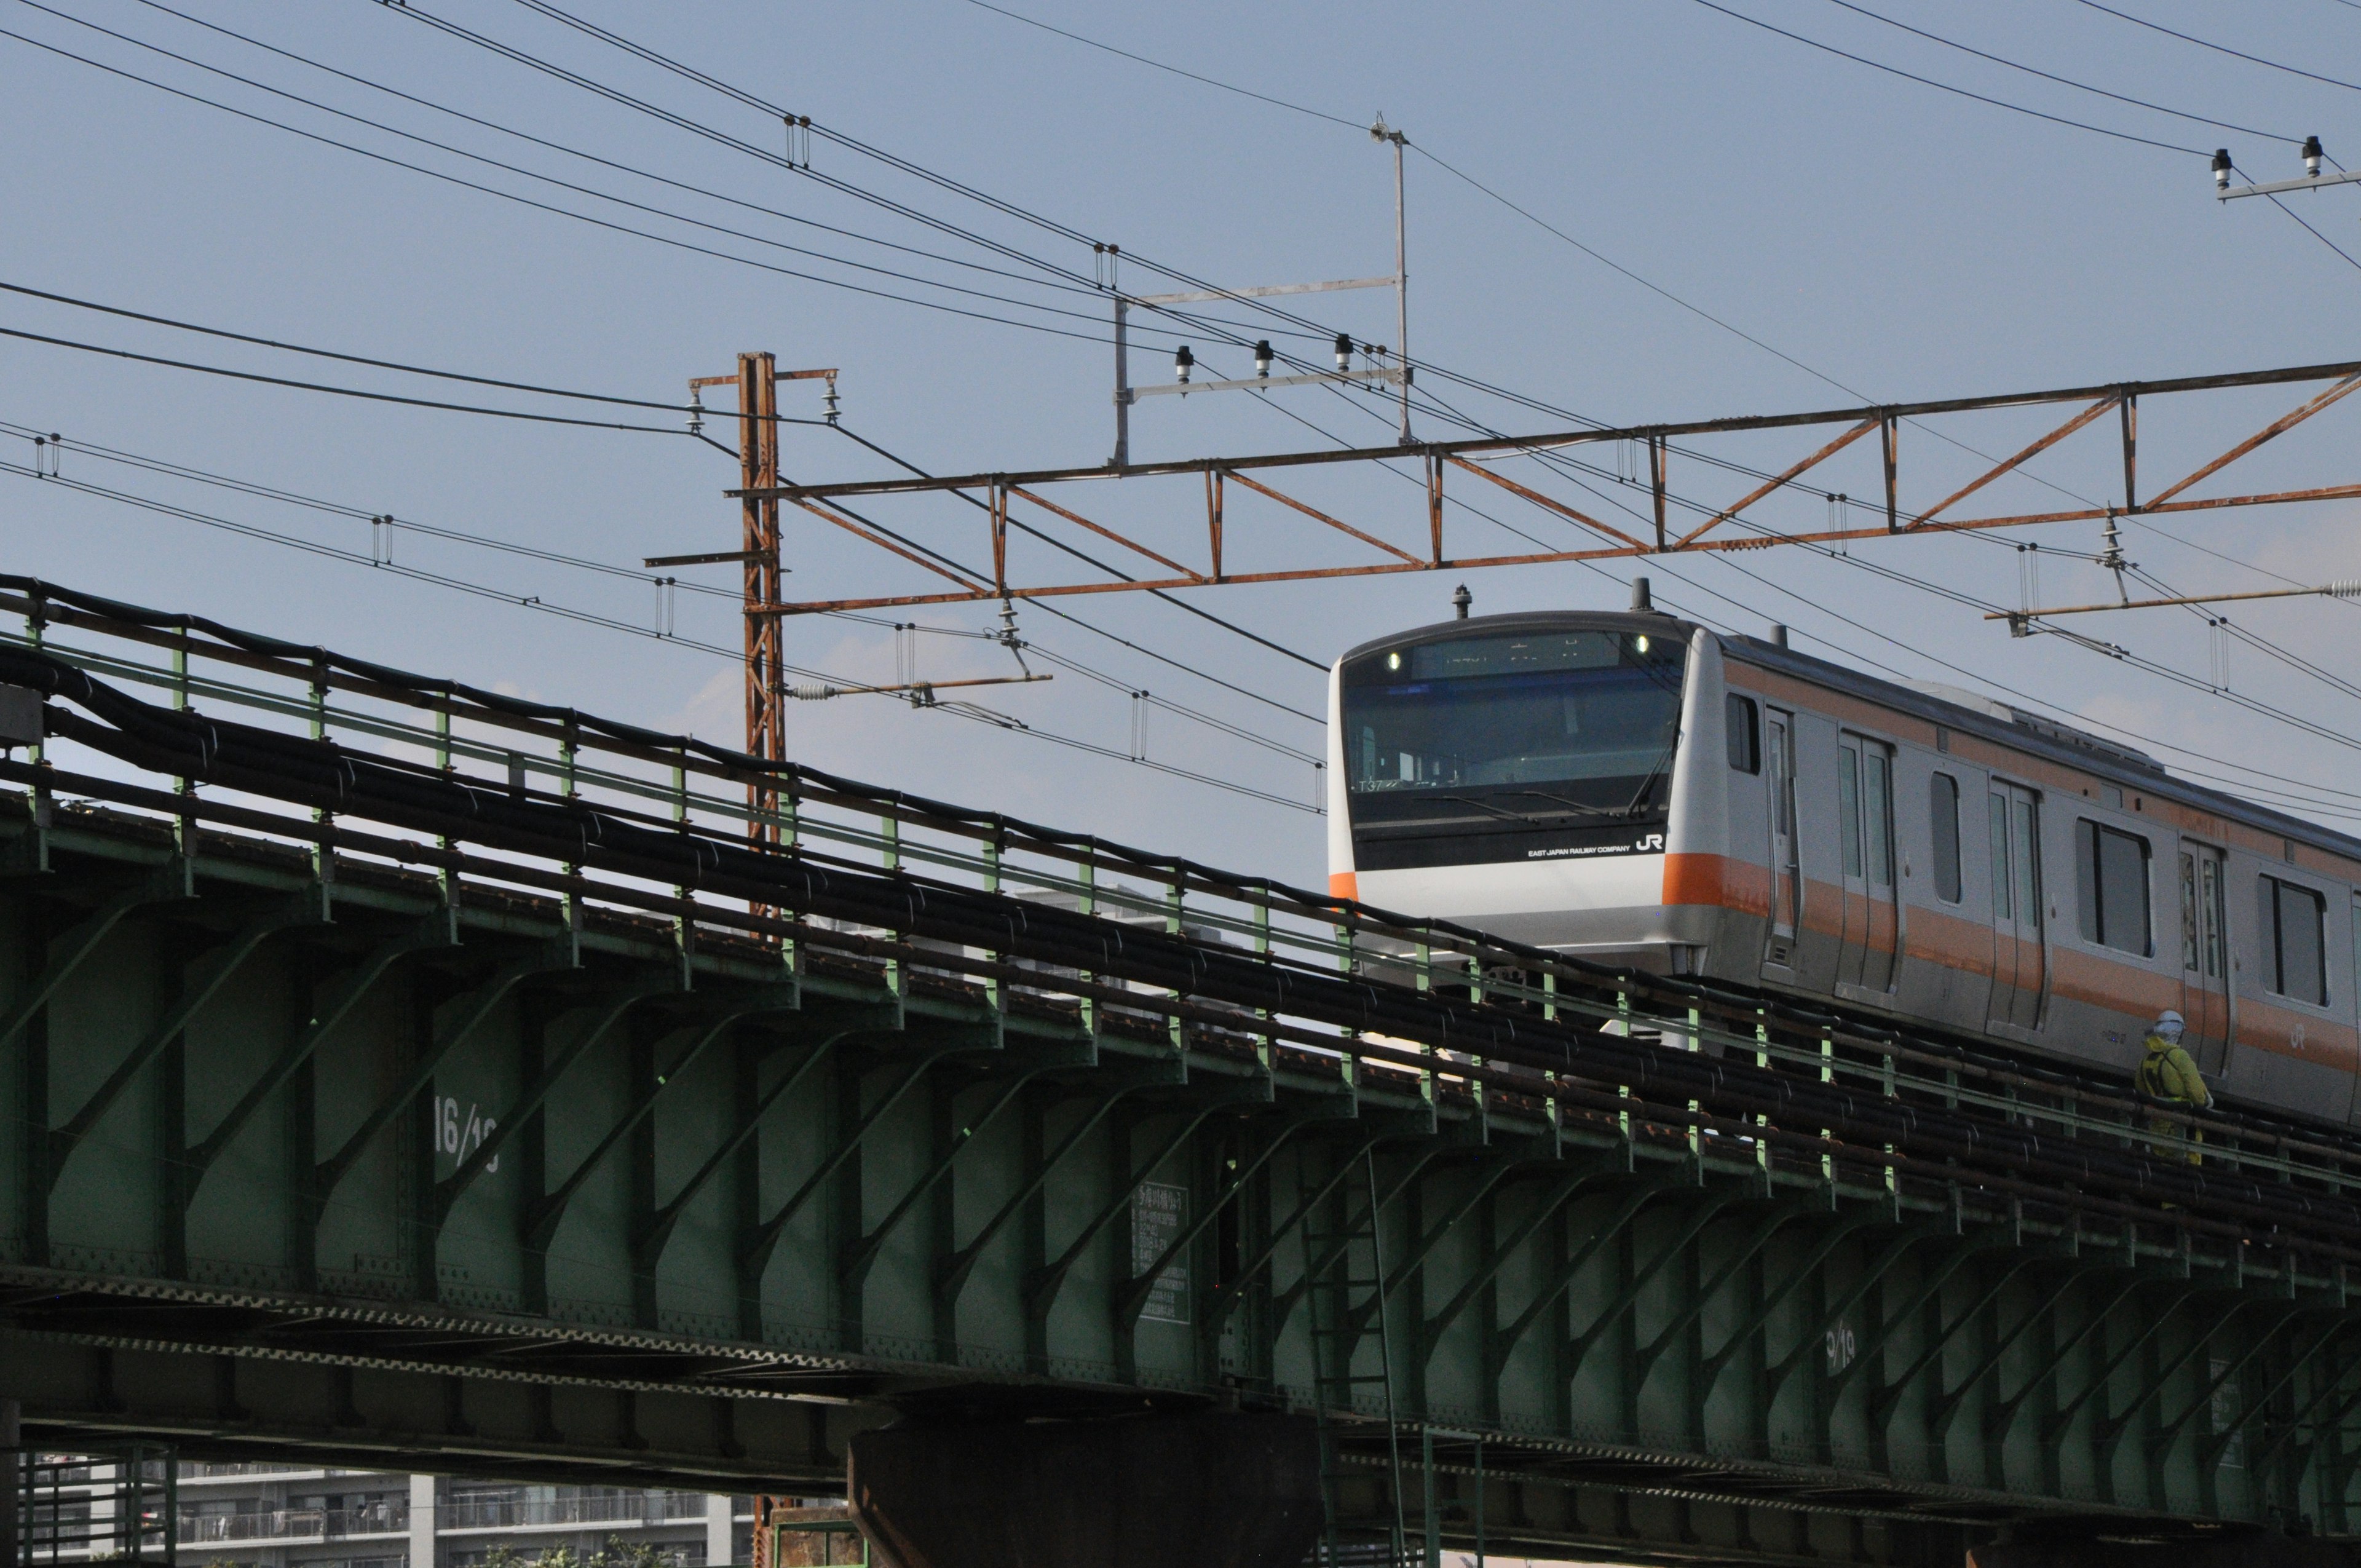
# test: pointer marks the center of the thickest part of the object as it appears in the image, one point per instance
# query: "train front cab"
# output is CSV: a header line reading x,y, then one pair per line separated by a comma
x,y
1536,775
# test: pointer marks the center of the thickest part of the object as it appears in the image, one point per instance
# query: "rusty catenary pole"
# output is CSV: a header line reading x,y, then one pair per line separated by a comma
x,y
758,449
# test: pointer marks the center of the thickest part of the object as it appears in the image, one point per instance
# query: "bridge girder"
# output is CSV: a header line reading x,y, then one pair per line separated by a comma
x,y
704,1235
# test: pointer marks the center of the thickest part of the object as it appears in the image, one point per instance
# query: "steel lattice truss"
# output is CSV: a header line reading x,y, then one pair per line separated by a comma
x,y
1006,497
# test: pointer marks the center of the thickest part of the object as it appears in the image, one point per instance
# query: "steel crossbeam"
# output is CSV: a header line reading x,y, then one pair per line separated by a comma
x,y
1720,526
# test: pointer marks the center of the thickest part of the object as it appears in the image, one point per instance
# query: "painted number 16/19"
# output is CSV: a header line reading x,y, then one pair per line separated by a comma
x,y
457,1135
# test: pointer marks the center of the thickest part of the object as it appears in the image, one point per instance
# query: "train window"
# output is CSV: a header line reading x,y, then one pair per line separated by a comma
x,y
2110,878
1745,738
2295,941
1848,806
1593,717
1878,828
1866,809
1943,803
2000,882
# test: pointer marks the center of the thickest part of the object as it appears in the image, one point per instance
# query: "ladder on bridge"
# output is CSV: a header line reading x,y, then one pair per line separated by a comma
x,y
1344,1280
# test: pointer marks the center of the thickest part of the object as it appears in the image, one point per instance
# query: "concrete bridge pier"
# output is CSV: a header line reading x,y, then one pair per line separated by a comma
x,y
1147,1490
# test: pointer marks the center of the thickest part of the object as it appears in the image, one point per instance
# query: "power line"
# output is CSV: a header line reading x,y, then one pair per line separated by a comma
x,y
1005,207
1178,603
610,623
1530,216
2062,80
1193,76
2150,666
892,160
693,127
167,469
2348,258
2220,49
346,358
1029,277
569,185
1947,87
337,508
557,211
342,391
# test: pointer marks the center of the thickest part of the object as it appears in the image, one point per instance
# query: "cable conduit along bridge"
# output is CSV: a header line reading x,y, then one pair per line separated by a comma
x,y
403,1074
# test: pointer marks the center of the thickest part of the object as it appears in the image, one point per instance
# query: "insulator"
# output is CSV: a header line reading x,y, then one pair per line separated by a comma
x,y
2346,590
813,692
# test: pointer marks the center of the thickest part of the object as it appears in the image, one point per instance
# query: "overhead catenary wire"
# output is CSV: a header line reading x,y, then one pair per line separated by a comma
x,y
2149,666
2062,80
250,488
2221,49
1947,87
407,369
578,189
1032,277
537,6
554,210
343,391
1493,194
610,623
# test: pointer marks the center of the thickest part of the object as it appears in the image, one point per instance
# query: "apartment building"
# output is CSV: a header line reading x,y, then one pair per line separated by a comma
x,y
275,1515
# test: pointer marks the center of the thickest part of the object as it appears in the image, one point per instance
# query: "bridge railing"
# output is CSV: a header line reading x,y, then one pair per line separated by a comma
x,y
1472,985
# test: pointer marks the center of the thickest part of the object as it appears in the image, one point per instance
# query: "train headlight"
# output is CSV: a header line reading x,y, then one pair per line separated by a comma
x,y
1393,660
1640,642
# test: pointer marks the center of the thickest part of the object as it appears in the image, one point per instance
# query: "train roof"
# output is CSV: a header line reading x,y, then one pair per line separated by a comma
x,y
1951,707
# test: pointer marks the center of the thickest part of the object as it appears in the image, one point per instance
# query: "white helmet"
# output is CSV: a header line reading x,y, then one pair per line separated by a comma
x,y
2168,1024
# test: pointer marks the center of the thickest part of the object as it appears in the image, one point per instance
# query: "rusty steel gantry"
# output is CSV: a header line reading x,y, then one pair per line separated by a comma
x,y
1656,530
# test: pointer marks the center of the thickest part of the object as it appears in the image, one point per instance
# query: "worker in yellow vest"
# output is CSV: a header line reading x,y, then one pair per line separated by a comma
x,y
2167,1076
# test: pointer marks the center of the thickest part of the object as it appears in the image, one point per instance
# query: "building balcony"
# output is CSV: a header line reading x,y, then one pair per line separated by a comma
x,y
290,1525
526,1513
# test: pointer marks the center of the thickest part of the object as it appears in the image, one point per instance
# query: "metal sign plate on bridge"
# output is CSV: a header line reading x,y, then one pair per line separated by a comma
x,y
402,1074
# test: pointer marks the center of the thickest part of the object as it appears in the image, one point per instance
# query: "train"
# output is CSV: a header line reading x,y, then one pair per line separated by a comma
x,y
1641,791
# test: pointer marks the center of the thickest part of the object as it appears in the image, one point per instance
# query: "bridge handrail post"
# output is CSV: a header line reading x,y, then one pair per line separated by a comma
x,y
1175,891
787,817
1892,1174
446,876
684,925
184,827
1425,983
1089,899
37,621
324,856
1346,964
569,745
1692,1042
1268,1049
1763,1119
889,832
1828,1075
994,992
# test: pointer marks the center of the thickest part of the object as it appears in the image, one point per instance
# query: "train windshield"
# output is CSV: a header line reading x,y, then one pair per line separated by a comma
x,y
1514,734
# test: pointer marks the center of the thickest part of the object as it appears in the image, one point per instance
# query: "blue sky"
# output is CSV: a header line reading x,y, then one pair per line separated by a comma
x,y
1899,241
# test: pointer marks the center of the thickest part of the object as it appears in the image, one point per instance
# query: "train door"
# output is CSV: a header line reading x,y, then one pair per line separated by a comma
x,y
1866,820
2204,958
2355,1113
2020,964
1786,868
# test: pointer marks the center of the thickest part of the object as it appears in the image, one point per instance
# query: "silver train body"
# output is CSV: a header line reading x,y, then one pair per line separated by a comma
x,y
1639,790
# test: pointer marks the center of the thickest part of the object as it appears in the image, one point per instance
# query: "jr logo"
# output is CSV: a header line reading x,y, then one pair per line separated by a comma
x,y
1650,841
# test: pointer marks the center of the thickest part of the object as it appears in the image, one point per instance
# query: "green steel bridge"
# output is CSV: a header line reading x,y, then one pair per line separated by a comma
x,y
398,1074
